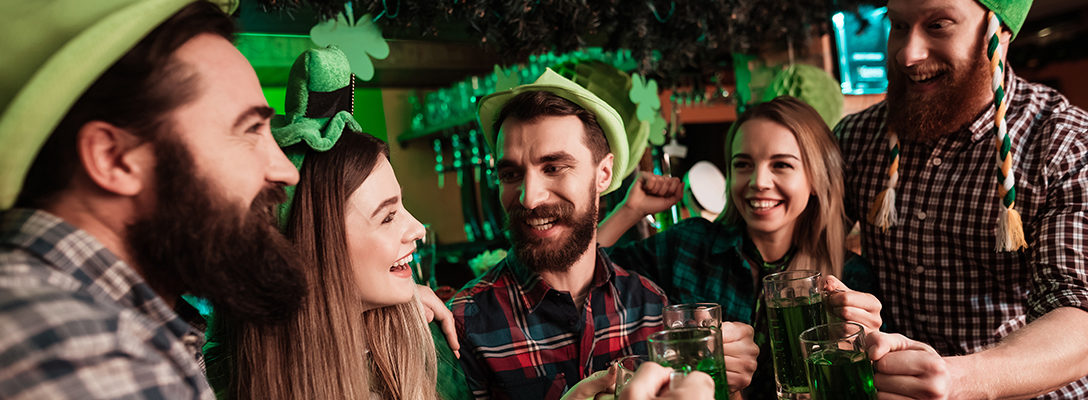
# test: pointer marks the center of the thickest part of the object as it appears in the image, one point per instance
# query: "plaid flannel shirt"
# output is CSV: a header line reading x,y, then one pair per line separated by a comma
x,y
698,261
522,339
78,323
943,282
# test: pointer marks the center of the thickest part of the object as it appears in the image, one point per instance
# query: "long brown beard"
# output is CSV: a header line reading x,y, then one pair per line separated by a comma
x,y
546,255
925,117
198,243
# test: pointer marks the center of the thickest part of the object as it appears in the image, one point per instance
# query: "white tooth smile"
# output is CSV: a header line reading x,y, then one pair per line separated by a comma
x,y
541,224
922,77
401,263
762,204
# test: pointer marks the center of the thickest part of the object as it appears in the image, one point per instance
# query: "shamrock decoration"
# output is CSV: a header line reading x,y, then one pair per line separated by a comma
x,y
657,130
356,38
644,94
506,80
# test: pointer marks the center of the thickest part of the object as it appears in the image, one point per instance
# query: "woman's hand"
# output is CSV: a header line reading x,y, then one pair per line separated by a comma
x,y
435,310
852,305
741,352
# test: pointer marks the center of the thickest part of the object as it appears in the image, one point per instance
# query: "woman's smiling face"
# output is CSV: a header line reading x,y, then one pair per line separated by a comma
x,y
381,237
768,181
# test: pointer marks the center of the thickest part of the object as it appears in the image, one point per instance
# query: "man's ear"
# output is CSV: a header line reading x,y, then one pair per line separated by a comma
x,y
604,173
115,159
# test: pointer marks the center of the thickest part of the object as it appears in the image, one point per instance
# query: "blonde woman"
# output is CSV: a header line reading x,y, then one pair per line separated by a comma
x,y
784,211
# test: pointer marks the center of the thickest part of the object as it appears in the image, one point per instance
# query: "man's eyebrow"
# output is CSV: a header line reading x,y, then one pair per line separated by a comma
x,y
504,163
559,156
388,202
264,112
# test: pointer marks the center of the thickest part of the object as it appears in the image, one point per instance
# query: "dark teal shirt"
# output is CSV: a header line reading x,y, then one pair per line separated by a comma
x,y
698,261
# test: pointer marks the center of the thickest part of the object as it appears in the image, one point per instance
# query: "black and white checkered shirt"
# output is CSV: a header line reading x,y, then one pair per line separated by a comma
x,y
943,282
77,323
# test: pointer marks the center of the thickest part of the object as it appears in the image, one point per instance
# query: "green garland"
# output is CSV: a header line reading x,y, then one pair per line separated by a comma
x,y
676,42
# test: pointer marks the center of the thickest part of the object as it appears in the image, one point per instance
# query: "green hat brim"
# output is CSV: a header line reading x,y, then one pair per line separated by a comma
x,y
1011,12
551,82
54,51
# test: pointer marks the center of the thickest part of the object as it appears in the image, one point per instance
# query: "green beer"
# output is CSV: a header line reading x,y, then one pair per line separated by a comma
x,y
787,319
840,374
692,349
710,367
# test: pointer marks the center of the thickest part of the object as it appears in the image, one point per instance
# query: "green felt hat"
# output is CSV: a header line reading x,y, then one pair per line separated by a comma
x,y
551,82
1012,12
53,51
613,86
319,103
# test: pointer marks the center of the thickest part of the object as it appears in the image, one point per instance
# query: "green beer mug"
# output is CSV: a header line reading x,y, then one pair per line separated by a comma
x,y
692,349
794,303
836,362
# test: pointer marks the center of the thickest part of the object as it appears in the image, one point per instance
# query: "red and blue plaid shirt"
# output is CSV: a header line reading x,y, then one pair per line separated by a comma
x,y
520,338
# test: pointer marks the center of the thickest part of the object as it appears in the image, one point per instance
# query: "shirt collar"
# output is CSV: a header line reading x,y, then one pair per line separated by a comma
x,y
534,289
76,253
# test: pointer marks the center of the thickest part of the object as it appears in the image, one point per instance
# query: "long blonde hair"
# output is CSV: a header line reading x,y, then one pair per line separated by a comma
x,y
819,233
332,348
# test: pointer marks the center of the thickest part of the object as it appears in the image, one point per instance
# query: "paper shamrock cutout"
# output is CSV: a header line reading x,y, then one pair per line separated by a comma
x,y
505,80
657,130
644,94
360,40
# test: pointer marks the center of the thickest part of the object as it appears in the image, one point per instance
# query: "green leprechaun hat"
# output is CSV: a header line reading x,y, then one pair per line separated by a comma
x,y
611,123
53,51
319,105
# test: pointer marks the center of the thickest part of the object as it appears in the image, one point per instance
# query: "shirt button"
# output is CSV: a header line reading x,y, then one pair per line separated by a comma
x,y
919,270
936,161
921,215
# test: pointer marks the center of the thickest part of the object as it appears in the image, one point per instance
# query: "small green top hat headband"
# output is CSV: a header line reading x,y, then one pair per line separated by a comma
x,y
1009,230
607,117
319,103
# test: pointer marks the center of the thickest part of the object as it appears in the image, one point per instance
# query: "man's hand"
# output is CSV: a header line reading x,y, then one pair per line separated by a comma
x,y
852,305
653,193
434,310
741,352
600,385
651,381
907,369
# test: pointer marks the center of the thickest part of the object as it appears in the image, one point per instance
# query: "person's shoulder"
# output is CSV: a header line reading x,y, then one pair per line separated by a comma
x,y
690,231
630,282
69,334
37,312
862,123
693,225
466,301
1048,109
1056,124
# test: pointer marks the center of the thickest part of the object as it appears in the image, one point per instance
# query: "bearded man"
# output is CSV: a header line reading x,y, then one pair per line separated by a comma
x,y
556,309
971,186
157,177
